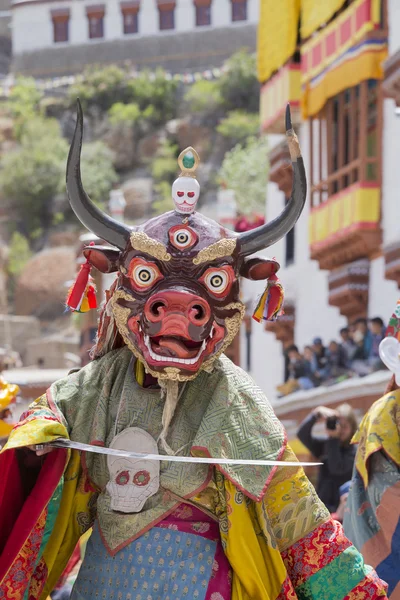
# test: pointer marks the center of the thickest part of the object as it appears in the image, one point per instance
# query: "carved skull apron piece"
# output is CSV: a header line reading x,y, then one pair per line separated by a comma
x,y
132,481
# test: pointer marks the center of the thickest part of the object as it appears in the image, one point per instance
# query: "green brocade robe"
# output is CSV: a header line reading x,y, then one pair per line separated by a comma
x,y
277,535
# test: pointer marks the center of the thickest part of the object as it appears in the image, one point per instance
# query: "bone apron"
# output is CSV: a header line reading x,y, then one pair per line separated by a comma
x,y
160,384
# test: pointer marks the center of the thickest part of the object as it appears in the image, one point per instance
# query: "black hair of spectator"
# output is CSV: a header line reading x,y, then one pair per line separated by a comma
x,y
345,330
377,321
360,321
292,348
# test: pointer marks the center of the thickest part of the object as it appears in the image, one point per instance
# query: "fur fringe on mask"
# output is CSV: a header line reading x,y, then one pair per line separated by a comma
x,y
108,337
170,392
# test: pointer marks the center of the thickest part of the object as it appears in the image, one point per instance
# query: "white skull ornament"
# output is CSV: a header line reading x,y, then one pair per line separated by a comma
x,y
132,481
186,189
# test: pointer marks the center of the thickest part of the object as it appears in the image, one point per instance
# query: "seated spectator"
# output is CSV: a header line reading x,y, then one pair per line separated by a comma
x,y
377,330
310,357
347,344
333,449
300,375
320,353
337,361
363,339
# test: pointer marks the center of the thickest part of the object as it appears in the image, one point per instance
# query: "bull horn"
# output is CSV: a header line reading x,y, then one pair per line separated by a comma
x,y
90,216
266,235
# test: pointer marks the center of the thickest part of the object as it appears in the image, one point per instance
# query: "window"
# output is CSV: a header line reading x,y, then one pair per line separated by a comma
x,y
167,15
239,10
130,17
130,22
96,28
95,15
347,136
60,20
203,14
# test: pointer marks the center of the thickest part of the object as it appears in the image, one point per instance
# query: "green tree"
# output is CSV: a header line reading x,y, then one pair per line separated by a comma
x,y
19,254
124,114
98,173
164,171
24,103
239,86
203,97
100,87
155,95
163,202
34,174
239,125
164,166
244,170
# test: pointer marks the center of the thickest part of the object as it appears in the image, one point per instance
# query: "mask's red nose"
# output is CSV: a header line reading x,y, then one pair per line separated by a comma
x,y
184,306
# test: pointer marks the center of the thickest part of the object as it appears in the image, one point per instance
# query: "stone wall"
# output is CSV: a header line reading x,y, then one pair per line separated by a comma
x,y
16,331
51,352
194,50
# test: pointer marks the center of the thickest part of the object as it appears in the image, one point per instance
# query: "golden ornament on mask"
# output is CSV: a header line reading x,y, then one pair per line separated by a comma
x,y
188,162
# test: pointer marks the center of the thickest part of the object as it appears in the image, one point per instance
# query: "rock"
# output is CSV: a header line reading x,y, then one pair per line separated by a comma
x,y
148,146
64,238
6,129
7,146
52,352
120,139
197,136
138,195
43,284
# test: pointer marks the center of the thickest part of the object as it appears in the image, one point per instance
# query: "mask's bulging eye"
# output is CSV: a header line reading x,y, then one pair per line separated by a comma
x,y
219,280
190,194
144,274
180,194
182,237
216,281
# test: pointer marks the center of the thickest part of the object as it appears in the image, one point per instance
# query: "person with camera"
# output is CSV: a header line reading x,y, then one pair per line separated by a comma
x,y
333,449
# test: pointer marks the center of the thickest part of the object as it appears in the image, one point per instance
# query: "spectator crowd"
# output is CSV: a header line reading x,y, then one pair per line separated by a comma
x,y
356,355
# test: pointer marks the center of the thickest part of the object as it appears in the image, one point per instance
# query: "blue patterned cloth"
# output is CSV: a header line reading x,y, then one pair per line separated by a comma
x,y
160,565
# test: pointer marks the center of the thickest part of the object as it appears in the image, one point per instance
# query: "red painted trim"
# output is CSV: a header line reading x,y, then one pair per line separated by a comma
x,y
280,73
48,479
279,113
343,233
377,49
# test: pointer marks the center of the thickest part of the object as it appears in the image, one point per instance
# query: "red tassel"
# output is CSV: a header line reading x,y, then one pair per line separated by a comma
x,y
77,292
82,295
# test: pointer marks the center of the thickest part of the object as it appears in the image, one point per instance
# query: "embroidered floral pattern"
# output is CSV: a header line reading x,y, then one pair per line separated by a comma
x,y
21,570
287,592
370,588
314,551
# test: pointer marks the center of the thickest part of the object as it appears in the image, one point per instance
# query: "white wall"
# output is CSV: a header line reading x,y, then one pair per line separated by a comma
x,y
305,285
32,25
391,173
383,293
394,25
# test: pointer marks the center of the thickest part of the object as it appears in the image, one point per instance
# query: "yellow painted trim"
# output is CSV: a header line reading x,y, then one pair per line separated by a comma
x,y
284,87
367,65
358,205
